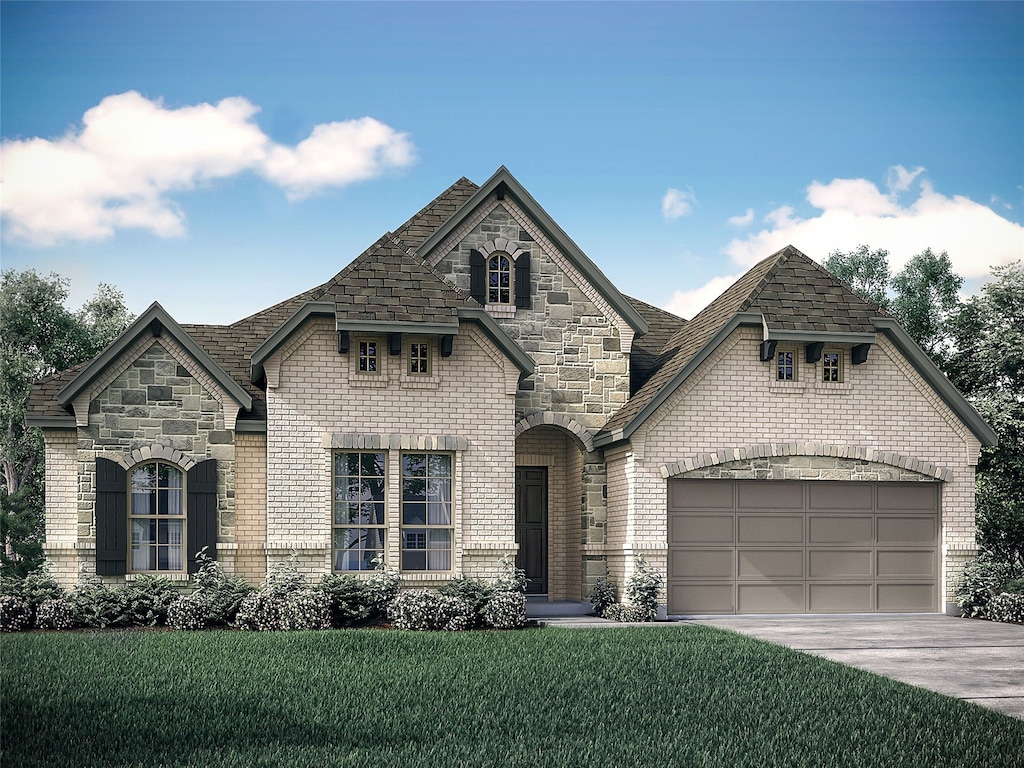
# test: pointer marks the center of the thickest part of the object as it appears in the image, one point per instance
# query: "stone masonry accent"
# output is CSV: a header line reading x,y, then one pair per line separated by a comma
x,y
154,408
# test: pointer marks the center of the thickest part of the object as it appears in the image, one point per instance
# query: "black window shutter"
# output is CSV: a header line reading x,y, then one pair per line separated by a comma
x,y
478,276
111,518
523,300
201,482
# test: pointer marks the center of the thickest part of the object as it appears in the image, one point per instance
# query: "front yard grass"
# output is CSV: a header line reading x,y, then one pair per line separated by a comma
x,y
664,696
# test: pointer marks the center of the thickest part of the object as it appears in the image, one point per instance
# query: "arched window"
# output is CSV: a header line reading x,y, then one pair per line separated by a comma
x,y
499,279
156,517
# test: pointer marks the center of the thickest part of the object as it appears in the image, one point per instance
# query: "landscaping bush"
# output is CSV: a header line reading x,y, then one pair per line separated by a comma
x,y
33,589
506,610
415,609
146,600
982,580
382,589
348,597
221,594
476,592
603,595
643,588
260,611
629,614
306,609
98,605
454,614
15,614
1014,587
58,613
1006,607
188,612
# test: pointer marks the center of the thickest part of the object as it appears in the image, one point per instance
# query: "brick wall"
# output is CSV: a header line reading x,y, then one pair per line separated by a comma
x,y
61,477
250,558
732,402
320,401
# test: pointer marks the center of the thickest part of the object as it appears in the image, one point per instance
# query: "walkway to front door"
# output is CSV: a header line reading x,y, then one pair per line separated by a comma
x,y
532,526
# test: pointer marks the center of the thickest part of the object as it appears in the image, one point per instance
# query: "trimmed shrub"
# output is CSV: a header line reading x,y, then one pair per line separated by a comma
x,y
58,613
603,595
454,614
306,609
222,594
348,597
100,606
415,609
260,611
476,592
33,589
506,610
643,588
15,614
189,612
511,579
627,613
284,577
147,599
382,589
982,579
1006,607
1014,587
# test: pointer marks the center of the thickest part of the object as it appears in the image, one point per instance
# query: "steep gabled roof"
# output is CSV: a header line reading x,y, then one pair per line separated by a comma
x,y
790,297
503,183
646,352
439,210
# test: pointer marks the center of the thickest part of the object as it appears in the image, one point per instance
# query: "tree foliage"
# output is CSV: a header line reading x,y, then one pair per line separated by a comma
x,y
926,301
39,336
864,270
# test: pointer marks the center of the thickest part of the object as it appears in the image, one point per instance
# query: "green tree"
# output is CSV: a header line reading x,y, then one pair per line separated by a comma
x,y
987,365
926,301
39,336
864,270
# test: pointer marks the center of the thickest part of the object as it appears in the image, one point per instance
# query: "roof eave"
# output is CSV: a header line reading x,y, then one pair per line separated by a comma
x,y
52,422
284,332
608,439
496,334
157,321
555,233
398,326
938,381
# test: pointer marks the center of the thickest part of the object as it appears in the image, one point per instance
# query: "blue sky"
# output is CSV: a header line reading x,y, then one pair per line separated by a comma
x,y
220,157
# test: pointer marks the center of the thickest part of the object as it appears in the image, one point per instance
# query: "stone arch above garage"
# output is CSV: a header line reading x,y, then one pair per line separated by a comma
x,y
806,461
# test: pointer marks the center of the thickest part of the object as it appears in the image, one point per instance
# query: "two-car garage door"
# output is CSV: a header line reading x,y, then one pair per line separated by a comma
x,y
748,546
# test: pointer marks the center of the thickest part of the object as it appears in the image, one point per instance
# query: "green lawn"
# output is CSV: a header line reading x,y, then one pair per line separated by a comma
x,y
666,696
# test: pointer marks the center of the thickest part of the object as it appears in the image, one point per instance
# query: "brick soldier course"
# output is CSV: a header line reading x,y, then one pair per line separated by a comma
x,y
478,331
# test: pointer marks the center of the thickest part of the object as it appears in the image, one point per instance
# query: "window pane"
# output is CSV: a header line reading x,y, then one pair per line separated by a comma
x,y
439,513
169,477
439,490
414,490
144,476
143,558
414,513
371,464
414,465
414,560
144,502
143,531
440,465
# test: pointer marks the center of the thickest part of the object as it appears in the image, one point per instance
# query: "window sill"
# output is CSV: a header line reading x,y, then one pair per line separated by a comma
x,y
169,575
500,310
790,387
368,380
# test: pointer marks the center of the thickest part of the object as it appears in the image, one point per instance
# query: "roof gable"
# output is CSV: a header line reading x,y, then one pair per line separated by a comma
x,y
502,184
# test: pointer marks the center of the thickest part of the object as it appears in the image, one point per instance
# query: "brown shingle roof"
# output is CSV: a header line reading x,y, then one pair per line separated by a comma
x,y
646,350
790,290
422,225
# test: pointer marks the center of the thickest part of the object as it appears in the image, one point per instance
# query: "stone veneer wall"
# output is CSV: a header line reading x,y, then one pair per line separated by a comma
x,y
153,404
581,367
317,402
883,412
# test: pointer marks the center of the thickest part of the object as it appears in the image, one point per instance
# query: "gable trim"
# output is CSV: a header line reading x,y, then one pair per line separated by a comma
x,y
504,181
396,326
284,332
739,319
937,380
156,321
495,333
836,337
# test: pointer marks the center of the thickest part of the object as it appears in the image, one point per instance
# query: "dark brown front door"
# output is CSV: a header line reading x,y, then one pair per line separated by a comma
x,y
532,526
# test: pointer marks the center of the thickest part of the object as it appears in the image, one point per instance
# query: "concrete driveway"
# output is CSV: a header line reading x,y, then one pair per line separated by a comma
x,y
973,660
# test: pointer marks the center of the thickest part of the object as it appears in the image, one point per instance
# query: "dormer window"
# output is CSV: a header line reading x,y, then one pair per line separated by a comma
x,y
786,366
368,356
499,279
832,366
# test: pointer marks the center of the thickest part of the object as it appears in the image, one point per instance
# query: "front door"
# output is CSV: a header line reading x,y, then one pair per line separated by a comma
x,y
532,526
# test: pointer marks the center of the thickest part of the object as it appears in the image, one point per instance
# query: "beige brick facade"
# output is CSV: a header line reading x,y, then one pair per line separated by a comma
x,y
883,412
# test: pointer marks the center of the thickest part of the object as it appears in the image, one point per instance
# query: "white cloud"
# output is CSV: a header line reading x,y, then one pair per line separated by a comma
x,y
132,152
855,212
677,203
688,303
744,220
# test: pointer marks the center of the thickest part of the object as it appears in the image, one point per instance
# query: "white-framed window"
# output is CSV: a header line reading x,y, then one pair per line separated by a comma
x,y
786,365
359,526
156,518
832,366
419,357
369,356
499,279
426,512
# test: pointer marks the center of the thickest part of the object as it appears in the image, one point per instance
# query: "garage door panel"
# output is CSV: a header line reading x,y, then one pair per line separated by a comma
x,y
701,598
907,530
770,564
702,529
906,597
771,598
833,564
840,496
746,546
903,563
701,563
840,598
770,495
827,529
770,529
906,497
700,494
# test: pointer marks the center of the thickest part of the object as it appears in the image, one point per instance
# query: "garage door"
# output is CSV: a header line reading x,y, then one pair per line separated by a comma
x,y
747,546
